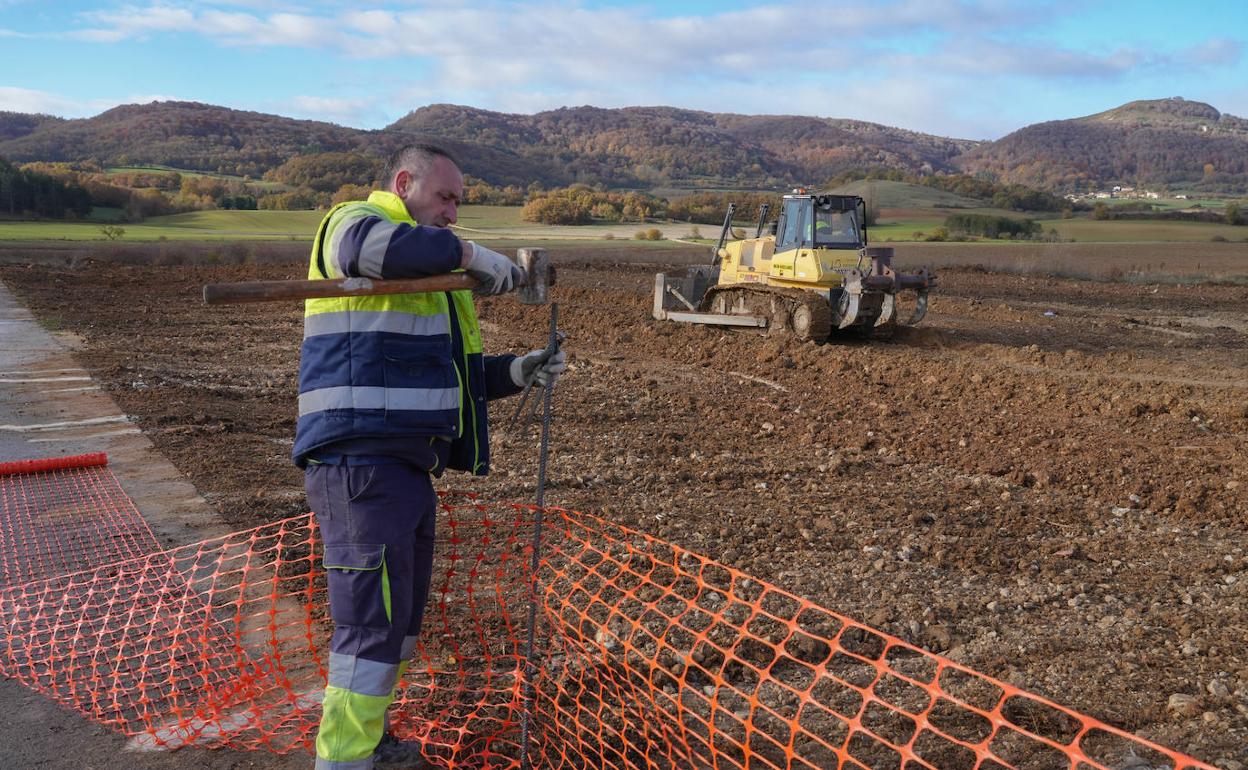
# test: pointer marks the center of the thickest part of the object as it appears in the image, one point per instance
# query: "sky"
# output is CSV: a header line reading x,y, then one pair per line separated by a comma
x,y
971,69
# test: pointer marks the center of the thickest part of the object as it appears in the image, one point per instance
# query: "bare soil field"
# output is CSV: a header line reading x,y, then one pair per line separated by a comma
x,y
1225,263
1047,481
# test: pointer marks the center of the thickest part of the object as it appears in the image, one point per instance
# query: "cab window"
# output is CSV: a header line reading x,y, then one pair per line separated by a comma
x,y
836,228
796,228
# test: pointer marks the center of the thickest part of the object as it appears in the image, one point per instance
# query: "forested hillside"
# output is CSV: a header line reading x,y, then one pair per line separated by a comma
x,y
630,147
1163,143
1168,143
187,135
636,146
18,124
824,148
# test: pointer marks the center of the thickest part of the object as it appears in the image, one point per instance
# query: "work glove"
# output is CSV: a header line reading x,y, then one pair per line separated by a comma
x,y
540,366
497,273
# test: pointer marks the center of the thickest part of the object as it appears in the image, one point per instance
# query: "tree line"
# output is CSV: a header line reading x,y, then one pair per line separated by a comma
x,y
580,205
24,193
1231,214
319,180
1011,197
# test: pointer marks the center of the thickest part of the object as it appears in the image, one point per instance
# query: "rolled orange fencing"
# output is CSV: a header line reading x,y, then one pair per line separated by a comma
x,y
52,463
650,656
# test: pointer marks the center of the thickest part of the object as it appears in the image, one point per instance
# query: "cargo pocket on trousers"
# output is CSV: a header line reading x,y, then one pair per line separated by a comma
x,y
359,585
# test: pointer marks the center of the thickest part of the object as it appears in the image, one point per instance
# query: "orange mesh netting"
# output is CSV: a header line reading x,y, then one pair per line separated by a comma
x,y
649,656
52,523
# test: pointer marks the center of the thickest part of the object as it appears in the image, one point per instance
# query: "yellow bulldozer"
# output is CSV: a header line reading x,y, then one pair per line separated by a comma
x,y
812,274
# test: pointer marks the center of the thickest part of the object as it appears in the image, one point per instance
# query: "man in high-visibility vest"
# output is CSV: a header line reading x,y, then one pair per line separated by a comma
x,y
392,391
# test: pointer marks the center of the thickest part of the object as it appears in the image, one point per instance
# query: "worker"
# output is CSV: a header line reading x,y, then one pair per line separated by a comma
x,y
392,392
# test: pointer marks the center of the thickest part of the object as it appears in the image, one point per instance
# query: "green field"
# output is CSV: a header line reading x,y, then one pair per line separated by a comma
x,y
484,223
491,217
1176,204
195,225
259,184
903,195
503,223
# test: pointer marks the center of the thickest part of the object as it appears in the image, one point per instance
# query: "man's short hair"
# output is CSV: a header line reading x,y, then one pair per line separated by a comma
x,y
416,159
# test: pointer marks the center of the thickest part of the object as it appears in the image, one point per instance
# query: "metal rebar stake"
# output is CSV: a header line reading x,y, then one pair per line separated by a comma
x,y
529,668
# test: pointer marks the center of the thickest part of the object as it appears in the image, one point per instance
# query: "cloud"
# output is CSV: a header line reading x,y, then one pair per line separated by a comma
x,y
1215,51
133,22
989,58
555,29
13,99
279,29
344,111
922,63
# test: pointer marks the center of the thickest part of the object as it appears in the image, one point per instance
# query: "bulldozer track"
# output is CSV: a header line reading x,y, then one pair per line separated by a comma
x,y
805,314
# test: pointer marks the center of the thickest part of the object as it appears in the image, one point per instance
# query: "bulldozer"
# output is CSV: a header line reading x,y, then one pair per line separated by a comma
x,y
812,274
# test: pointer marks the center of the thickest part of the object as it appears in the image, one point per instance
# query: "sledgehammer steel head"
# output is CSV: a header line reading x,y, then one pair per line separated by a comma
x,y
539,276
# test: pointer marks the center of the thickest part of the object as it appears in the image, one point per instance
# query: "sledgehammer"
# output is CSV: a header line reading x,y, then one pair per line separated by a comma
x,y
539,276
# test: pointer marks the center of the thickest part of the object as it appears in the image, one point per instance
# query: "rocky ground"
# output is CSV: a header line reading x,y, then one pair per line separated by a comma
x,y
1047,481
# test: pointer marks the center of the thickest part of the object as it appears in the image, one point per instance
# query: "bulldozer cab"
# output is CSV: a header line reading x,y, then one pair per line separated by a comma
x,y
821,222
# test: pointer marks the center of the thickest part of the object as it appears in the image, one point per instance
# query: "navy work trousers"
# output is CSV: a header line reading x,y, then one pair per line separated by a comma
x,y
377,526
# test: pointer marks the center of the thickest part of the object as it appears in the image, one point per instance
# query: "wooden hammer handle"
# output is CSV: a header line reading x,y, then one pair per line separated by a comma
x,y
269,291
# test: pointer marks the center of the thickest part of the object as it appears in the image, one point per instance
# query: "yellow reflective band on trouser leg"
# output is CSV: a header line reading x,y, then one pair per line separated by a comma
x,y
351,726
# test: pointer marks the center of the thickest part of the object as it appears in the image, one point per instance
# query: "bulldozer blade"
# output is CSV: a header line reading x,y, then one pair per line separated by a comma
x,y
682,289
672,290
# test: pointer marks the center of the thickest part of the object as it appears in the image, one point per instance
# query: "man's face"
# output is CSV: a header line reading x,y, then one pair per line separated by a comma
x,y
433,198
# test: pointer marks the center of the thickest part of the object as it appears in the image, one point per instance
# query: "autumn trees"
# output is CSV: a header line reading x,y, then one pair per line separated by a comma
x,y
581,205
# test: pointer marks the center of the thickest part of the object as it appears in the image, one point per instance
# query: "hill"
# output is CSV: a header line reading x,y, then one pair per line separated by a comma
x,y
1167,143
639,146
18,124
629,147
185,135
1172,143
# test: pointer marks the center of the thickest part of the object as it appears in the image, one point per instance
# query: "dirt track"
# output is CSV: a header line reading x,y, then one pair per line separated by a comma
x,y
1048,481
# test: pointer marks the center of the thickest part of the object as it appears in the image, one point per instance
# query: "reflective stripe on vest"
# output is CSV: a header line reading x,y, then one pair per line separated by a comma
x,y
390,399
373,251
346,321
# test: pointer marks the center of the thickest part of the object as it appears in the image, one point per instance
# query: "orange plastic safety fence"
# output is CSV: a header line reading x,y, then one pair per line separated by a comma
x,y
650,656
57,517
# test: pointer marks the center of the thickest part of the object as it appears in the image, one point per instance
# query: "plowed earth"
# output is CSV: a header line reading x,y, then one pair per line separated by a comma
x,y
1047,481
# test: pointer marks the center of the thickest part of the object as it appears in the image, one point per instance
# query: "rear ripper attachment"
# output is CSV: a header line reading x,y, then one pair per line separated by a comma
x,y
811,275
